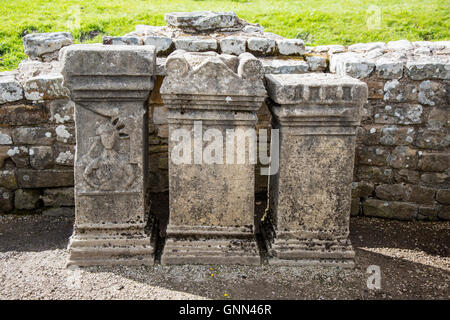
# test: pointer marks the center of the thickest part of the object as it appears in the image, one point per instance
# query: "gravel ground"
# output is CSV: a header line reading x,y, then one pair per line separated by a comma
x,y
413,257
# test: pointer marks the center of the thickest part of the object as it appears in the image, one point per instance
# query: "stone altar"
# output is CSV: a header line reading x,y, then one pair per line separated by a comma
x,y
310,196
211,204
110,85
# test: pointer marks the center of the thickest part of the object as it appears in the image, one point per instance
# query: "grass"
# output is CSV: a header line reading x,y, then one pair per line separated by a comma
x,y
315,21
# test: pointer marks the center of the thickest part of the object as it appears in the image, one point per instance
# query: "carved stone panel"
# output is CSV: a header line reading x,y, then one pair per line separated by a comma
x,y
211,204
111,187
310,195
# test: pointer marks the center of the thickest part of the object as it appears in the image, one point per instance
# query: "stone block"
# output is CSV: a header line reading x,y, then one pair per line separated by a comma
x,y
64,155
396,135
403,157
393,192
365,47
281,66
8,179
124,40
163,45
351,64
362,189
261,46
419,194
430,139
23,115
111,187
195,44
26,199
19,155
27,178
317,115
433,93
5,136
6,200
3,155
435,178
399,113
61,111
444,212
374,174
58,197
45,87
422,68
202,20
428,213
317,63
291,47
10,89
407,176
42,46
438,162
389,209
59,212
443,196
41,157
211,202
396,91
399,45
33,136
232,45
389,68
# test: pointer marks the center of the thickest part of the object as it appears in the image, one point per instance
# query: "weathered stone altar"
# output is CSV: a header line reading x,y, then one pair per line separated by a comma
x,y
310,196
110,85
211,203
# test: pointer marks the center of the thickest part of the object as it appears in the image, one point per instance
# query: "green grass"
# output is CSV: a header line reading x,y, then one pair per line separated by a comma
x,y
316,21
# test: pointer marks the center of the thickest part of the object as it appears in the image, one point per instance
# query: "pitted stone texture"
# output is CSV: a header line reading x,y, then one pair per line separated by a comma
x,y
202,20
281,66
364,47
232,45
211,205
351,64
10,89
26,199
317,115
422,68
42,46
290,47
261,46
124,40
45,87
195,44
399,45
162,45
317,63
6,200
110,85
389,68
330,49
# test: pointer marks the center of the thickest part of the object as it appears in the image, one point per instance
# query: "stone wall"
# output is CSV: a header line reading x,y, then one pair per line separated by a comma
x,y
402,157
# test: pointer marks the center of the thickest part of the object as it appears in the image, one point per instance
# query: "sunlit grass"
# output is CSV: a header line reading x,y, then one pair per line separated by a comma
x,y
317,21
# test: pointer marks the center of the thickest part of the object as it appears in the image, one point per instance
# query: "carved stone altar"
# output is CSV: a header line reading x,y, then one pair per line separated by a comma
x,y
211,204
110,85
310,196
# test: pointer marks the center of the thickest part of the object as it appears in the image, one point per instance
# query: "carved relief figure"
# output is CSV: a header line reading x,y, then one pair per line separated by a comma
x,y
110,170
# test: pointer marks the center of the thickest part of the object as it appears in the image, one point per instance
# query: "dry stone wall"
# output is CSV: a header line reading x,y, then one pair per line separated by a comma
x,y
402,155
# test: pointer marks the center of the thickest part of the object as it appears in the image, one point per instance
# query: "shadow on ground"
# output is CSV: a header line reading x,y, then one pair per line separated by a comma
x,y
414,259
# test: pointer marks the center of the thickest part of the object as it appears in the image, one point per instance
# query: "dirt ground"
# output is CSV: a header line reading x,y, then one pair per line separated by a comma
x,y
414,259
